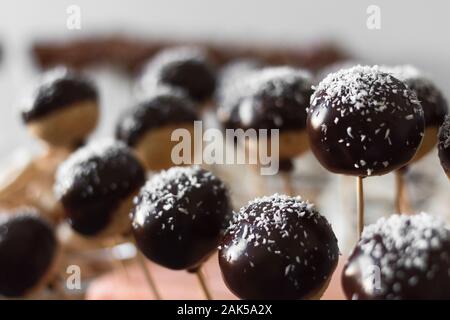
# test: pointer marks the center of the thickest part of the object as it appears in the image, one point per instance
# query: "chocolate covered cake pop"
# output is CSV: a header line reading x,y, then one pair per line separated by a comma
x,y
431,99
96,185
363,121
444,145
28,253
186,68
400,257
232,87
63,108
148,126
278,247
179,217
277,99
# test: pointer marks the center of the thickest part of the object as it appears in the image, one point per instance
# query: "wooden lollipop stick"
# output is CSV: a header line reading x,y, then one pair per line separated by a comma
x,y
119,262
402,204
286,168
203,284
148,276
360,204
287,183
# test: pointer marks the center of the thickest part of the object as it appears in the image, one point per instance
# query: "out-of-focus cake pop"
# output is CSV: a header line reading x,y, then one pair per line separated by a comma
x,y
431,99
62,109
147,127
185,68
278,99
96,186
401,257
29,253
278,247
444,145
231,87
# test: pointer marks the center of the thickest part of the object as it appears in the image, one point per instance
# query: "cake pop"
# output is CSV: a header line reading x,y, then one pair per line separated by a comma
x,y
363,122
148,126
431,99
231,87
185,68
435,108
277,98
63,108
400,257
179,217
96,185
444,146
29,253
278,247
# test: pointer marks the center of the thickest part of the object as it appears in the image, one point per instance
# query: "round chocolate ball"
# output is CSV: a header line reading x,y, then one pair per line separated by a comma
x,y
278,98
431,99
400,257
96,186
147,127
363,121
179,217
186,68
28,251
444,145
62,109
278,247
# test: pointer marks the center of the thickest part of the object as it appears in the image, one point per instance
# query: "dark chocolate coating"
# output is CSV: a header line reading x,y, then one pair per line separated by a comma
x,y
403,258
93,181
364,122
185,68
278,247
431,98
160,109
276,98
180,216
27,250
59,88
444,145
231,88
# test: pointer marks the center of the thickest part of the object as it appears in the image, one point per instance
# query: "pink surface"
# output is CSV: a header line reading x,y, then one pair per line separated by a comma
x,y
177,284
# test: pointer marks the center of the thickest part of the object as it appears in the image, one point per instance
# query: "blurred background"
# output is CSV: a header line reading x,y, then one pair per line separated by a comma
x,y
413,32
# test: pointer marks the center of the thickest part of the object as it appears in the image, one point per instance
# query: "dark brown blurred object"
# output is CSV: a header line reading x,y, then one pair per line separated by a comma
x,y
130,53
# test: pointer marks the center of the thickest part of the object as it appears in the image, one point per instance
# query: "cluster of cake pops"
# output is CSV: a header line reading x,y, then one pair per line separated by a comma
x,y
360,121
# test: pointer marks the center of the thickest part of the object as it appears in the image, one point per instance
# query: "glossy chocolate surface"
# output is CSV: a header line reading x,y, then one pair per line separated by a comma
x,y
432,100
402,257
59,88
364,122
274,98
180,216
187,68
27,249
444,145
93,181
160,109
278,247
